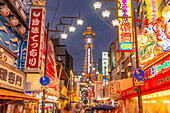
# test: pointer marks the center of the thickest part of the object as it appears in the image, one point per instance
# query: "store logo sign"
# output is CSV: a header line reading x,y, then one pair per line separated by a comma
x,y
165,65
11,79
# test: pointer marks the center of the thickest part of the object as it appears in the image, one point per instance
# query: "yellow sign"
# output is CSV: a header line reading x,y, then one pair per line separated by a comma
x,y
99,77
125,32
64,90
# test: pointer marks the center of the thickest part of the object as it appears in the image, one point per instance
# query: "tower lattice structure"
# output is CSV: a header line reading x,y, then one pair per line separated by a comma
x,y
89,73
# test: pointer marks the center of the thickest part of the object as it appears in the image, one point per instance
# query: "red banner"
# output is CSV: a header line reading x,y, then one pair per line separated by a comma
x,y
129,93
157,83
35,38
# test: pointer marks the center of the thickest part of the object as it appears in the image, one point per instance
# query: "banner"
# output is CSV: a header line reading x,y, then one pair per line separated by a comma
x,y
114,90
98,90
35,39
11,79
125,32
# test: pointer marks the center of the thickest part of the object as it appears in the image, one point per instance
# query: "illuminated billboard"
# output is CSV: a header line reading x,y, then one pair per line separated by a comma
x,y
150,8
105,63
153,40
125,32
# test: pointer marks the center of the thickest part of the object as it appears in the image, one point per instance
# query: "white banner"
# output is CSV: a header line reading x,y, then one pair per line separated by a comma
x,y
11,79
98,90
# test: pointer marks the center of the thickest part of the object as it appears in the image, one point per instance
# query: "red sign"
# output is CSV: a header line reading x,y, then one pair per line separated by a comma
x,y
35,38
157,83
129,93
160,67
163,65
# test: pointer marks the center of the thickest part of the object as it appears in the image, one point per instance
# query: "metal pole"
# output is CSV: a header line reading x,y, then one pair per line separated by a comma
x,y
137,62
70,88
45,68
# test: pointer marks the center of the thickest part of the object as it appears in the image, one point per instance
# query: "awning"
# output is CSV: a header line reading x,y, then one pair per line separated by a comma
x,y
12,95
64,75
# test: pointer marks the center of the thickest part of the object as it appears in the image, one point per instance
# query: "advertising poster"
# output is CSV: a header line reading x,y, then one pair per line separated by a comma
x,y
10,108
153,40
13,108
98,88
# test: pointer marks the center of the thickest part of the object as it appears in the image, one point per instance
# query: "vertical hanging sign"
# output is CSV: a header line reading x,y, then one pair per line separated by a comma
x,y
35,39
125,32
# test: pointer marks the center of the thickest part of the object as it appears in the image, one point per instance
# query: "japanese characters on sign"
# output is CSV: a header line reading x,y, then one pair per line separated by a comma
x,y
5,56
10,79
35,38
114,88
125,32
98,89
160,67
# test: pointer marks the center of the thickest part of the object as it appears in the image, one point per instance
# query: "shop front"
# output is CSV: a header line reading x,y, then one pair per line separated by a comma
x,y
12,83
156,88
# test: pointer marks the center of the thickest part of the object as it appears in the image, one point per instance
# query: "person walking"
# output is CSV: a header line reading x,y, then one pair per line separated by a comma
x,y
78,109
66,109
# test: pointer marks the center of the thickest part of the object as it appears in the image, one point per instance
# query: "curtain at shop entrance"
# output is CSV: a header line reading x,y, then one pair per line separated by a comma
x,y
131,105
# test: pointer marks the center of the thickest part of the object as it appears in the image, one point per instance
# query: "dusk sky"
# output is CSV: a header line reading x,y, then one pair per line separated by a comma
x,y
105,34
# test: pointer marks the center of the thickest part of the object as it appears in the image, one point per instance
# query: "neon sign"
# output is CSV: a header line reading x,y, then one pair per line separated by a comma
x,y
125,32
126,46
161,67
166,64
89,60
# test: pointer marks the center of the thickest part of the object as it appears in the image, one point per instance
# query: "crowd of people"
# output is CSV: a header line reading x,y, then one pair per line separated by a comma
x,y
78,108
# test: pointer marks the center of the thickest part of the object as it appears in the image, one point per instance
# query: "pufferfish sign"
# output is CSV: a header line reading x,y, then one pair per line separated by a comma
x,y
154,39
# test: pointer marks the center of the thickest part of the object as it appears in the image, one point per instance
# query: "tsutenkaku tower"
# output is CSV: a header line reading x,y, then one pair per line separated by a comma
x,y
89,72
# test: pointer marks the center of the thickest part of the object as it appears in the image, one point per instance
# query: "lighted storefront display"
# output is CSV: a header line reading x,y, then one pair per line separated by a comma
x,y
154,102
49,107
154,39
159,101
31,107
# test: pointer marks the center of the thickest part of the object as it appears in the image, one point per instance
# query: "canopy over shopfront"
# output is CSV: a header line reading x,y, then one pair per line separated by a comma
x,y
61,72
11,95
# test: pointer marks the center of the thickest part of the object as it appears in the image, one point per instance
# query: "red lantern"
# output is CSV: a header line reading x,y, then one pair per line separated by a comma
x,y
5,10
14,21
22,29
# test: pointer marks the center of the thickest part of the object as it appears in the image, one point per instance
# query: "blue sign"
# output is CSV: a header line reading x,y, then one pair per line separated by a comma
x,y
139,74
44,80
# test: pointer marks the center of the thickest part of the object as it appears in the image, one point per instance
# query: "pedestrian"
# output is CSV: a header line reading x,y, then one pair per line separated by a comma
x,y
66,109
78,109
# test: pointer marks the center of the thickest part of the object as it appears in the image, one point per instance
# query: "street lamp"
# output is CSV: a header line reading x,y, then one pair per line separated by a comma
x,y
115,22
64,36
72,28
106,14
97,5
80,22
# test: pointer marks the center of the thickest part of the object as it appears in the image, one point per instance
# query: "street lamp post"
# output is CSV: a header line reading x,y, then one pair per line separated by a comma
x,y
63,36
97,5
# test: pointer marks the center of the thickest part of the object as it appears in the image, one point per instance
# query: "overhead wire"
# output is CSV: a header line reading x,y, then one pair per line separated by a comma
x,y
99,15
55,12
